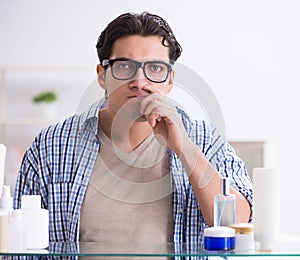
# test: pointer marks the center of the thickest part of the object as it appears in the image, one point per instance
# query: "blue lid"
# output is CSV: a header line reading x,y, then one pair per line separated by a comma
x,y
219,243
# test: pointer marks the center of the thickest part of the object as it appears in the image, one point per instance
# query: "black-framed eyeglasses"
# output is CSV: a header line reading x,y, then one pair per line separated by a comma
x,y
156,71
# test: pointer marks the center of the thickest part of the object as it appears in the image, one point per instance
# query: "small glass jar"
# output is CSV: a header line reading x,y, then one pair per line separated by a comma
x,y
219,238
244,237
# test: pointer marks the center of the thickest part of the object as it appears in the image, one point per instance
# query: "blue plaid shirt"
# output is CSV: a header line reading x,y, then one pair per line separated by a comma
x,y
59,163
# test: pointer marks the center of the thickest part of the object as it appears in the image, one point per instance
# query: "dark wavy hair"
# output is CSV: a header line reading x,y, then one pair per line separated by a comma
x,y
144,24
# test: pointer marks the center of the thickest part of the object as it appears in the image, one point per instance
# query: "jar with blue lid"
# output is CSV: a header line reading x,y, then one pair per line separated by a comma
x,y
219,238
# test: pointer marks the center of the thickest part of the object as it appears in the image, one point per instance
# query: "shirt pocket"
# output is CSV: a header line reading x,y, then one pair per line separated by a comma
x,y
60,217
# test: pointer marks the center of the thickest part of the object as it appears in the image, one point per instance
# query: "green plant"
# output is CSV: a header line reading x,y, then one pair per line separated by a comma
x,y
46,97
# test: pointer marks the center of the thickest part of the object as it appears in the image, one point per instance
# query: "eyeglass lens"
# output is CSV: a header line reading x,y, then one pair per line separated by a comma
x,y
155,71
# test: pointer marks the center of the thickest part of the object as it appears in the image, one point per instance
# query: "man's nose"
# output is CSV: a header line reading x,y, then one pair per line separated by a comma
x,y
139,80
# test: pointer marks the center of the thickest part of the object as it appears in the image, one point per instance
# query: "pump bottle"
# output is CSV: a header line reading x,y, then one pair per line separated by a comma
x,y
224,205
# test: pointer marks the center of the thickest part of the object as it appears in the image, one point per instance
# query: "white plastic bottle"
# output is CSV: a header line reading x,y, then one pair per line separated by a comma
x,y
3,231
2,165
5,213
36,222
17,239
266,208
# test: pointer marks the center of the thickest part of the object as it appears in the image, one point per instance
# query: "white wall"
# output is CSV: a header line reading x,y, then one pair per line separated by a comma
x,y
247,51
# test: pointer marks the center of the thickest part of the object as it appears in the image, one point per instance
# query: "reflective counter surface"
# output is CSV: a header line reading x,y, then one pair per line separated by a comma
x,y
286,249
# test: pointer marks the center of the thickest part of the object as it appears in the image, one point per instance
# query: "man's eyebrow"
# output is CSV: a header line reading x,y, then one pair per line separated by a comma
x,y
142,59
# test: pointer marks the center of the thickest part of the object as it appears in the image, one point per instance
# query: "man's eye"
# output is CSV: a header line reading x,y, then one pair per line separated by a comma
x,y
123,66
156,68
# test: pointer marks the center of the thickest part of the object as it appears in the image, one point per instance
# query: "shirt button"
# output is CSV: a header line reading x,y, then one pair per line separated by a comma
x,y
180,210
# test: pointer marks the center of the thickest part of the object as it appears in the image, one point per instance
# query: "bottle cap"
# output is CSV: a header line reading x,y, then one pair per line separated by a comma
x,y
17,214
31,202
6,199
225,186
242,228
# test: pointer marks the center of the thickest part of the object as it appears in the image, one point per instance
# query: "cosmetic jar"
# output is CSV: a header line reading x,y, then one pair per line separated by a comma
x,y
219,238
244,237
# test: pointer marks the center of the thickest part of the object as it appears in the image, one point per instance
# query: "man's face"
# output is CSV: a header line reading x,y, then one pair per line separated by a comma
x,y
141,49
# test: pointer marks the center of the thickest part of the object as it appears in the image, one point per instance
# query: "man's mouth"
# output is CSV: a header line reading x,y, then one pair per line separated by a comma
x,y
139,96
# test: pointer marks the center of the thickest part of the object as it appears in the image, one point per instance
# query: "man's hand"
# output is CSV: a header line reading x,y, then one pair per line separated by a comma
x,y
162,116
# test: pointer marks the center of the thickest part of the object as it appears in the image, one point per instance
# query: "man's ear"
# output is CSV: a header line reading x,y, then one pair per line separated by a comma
x,y
171,81
101,76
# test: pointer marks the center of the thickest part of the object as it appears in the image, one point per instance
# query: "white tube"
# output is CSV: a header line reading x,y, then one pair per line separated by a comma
x,y
266,207
2,165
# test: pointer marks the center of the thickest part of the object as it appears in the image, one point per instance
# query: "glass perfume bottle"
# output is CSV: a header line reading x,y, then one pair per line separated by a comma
x,y
224,205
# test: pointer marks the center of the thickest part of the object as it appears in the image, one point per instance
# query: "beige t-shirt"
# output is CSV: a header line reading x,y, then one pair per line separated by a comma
x,y
128,198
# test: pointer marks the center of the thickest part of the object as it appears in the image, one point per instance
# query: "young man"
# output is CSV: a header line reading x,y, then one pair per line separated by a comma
x,y
134,167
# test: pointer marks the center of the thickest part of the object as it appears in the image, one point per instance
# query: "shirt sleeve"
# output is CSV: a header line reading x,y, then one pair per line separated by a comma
x,y
28,178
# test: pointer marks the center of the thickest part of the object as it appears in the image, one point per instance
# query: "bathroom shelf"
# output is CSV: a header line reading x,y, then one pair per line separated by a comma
x,y
150,250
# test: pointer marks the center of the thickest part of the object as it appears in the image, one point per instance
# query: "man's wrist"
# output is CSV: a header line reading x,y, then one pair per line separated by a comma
x,y
189,156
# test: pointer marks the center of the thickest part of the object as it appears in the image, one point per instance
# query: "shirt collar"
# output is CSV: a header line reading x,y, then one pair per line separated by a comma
x,y
89,118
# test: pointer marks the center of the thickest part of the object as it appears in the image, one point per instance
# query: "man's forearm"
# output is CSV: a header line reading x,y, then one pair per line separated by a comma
x,y
205,181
